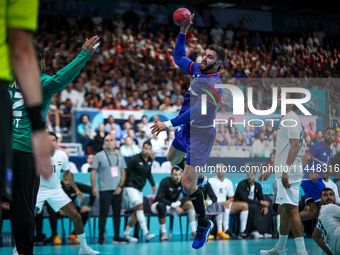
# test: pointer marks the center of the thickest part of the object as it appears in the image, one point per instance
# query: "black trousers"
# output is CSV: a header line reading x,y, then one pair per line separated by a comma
x,y
258,221
25,190
107,198
53,221
5,143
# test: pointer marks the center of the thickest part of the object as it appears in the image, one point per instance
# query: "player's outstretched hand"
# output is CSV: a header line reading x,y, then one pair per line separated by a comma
x,y
90,43
158,127
184,29
42,147
264,176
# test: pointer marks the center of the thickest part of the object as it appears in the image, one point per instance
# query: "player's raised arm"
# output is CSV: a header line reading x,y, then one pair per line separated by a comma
x,y
59,81
180,56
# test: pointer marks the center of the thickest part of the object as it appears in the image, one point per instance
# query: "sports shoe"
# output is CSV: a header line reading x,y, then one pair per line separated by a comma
x,y
273,251
56,240
192,236
88,251
211,237
149,236
230,234
245,235
40,240
266,235
202,235
130,239
222,235
100,240
299,253
202,181
256,235
73,239
164,237
15,252
119,240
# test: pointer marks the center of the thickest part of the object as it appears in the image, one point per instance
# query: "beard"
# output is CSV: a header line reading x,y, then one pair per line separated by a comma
x,y
207,67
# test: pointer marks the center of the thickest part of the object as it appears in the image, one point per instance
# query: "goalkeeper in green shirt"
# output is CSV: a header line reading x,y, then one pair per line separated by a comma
x,y
23,164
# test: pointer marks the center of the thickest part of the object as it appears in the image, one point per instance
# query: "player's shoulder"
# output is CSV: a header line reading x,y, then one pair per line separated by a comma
x,y
60,153
328,208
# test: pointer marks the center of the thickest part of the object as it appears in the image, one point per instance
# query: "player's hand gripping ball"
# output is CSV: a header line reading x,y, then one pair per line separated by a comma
x,y
182,16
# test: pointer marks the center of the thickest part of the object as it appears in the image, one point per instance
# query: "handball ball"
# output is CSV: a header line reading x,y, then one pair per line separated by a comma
x,y
182,16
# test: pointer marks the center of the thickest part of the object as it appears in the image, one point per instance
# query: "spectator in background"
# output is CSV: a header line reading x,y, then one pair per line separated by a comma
x,y
260,219
98,139
157,142
265,130
155,167
176,93
335,117
256,42
76,98
72,167
259,144
132,122
84,129
318,137
129,149
111,168
312,43
97,21
229,34
337,138
112,125
166,106
247,135
86,168
166,167
124,132
118,24
216,33
307,141
272,160
141,135
65,115
178,104
312,132
131,133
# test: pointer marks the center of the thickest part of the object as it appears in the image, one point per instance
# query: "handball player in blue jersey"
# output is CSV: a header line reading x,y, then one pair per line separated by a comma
x,y
315,162
195,133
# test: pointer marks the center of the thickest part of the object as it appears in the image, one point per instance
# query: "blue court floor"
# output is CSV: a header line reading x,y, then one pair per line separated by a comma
x,y
225,247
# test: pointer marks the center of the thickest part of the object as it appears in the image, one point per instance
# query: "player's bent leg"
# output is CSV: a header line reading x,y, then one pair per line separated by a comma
x,y
175,156
310,214
71,211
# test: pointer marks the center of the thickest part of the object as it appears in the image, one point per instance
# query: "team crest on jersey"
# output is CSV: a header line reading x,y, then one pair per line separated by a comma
x,y
194,78
324,154
59,163
141,163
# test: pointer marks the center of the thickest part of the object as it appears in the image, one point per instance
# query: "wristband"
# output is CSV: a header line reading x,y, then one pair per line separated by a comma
x,y
36,116
96,46
168,124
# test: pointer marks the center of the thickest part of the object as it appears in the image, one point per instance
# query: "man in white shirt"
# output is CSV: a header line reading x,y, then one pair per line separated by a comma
x,y
216,33
166,167
288,164
327,232
313,43
223,189
77,98
88,165
51,191
259,144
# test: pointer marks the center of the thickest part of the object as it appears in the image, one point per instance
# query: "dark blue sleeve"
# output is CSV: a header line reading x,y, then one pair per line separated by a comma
x,y
180,57
190,114
314,150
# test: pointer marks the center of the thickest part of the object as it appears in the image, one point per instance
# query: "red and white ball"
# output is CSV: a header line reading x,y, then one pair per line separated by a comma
x,y
182,16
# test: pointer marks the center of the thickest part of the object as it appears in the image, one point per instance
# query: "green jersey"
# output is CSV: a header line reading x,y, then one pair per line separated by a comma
x,y
22,128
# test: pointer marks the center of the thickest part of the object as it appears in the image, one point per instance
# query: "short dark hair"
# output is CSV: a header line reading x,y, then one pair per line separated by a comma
x,y
147,142
329,128
219,52
53,134
175,168
326,189
40,53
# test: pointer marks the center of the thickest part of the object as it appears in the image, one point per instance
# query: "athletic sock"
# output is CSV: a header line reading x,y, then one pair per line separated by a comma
x,y
82,240
300,244
141,220
127,231
197,198
281,245
163,229
226,219
243,220
219,219
192,220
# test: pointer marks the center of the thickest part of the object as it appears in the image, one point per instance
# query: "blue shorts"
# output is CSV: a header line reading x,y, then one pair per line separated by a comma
x,y
312,190
196,142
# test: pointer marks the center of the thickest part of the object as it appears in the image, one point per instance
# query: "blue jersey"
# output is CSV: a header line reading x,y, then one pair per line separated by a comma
x,y
202,84
321,157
